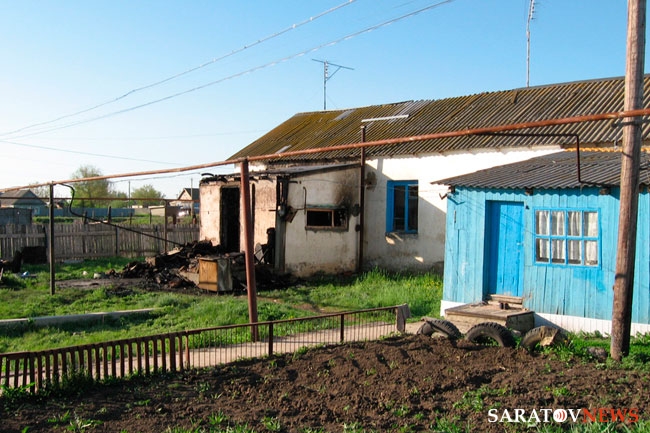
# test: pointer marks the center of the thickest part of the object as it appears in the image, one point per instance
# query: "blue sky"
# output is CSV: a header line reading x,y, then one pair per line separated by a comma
x,y
64,57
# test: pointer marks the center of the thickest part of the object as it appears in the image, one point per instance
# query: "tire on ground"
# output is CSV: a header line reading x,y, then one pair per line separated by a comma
x,y
438,326
483,332
542,336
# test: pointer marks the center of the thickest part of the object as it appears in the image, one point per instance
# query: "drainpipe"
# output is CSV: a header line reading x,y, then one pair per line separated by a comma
x,y
248,248
362,198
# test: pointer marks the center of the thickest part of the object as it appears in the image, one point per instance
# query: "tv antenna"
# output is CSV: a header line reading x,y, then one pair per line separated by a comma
x,y
531,12
327,76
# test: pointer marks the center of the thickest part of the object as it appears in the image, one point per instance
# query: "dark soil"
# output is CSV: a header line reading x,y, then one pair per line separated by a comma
x,y
404,384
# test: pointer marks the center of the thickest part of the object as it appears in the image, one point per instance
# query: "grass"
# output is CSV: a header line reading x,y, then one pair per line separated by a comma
x,y
29,297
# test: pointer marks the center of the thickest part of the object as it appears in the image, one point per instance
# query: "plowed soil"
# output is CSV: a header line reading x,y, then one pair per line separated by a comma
x,y
403,384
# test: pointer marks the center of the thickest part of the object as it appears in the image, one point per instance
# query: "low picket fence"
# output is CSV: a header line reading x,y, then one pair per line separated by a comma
x,y
199,348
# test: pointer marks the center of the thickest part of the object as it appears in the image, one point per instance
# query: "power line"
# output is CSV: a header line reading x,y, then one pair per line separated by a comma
x,y
79,152
248,71
188,71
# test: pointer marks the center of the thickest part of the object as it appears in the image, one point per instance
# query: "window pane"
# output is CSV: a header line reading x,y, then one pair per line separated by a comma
x,y
399,208
557,251
413,208
575,252
319,218
591,253
557,223
575,221
591,224
541,222
541,250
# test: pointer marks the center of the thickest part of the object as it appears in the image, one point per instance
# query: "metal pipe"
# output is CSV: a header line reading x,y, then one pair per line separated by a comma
x,y
362,198
248,248
390,141
51,242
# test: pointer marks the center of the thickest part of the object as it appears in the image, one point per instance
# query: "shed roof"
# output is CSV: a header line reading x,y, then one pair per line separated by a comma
x,y
554,171
320,129
23,197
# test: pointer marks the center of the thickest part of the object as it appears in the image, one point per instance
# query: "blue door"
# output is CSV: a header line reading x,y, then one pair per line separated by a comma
x,y
504,248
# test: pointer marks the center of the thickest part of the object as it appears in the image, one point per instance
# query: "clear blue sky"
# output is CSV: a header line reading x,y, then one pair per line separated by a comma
x,y
63,57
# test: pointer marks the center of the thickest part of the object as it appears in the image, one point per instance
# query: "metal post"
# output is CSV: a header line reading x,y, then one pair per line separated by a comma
x,y
249,250
362,198
51,241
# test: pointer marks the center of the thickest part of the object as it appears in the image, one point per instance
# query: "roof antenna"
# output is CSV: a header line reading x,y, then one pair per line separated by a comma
x,y
327,76
531,12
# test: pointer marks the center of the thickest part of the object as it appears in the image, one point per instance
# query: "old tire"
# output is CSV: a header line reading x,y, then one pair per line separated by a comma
x,y
438,326
487,332
542,336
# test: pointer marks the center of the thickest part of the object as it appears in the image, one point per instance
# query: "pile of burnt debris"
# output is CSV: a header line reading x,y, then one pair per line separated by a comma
x,y
179,269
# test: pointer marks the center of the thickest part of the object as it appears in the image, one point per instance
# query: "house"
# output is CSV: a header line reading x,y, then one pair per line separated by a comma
x,y
545,230
187,200
380,209
24,199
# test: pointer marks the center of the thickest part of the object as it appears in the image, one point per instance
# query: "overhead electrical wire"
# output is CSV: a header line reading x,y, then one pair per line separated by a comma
x,y
248,71
80,152
188,71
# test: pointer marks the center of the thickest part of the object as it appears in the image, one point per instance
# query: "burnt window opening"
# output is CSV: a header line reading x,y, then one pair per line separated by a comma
x,y
323,219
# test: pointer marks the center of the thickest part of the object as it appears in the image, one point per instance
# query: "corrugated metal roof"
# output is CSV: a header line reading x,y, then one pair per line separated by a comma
x,y
321,129
556,171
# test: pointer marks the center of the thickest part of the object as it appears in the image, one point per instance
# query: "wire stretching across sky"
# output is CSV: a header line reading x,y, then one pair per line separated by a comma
x,y
188,71
239,74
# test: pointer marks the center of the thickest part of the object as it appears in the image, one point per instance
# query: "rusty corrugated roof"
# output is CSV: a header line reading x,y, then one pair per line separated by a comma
x,y
321,129
553,171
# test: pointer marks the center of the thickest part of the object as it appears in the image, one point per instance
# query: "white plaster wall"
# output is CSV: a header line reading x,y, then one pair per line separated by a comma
x,y
210,196
331,251
263,214
425,250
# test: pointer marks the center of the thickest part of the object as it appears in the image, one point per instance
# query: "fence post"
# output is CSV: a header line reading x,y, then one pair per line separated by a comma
x,y
342,327
271,339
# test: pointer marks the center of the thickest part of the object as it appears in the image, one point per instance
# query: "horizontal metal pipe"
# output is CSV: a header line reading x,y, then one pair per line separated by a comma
x,y
385,142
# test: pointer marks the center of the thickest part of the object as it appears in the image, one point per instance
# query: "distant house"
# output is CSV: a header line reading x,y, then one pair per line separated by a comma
x,y
545,232
23,199
328,211
188,199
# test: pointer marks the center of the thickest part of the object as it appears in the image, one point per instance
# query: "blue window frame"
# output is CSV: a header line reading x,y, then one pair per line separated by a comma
x,y
402,206
567,237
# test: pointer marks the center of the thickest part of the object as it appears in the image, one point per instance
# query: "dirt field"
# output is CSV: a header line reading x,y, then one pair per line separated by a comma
x,y
409,383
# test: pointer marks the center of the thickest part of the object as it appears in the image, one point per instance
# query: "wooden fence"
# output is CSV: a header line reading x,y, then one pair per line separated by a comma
x,y
79,241
199,348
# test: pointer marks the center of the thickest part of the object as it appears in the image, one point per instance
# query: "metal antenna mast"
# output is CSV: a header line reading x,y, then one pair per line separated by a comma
x,y
327,76
531,12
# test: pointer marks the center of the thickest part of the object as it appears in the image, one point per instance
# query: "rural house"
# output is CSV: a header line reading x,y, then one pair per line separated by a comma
x,y
343,210
545,231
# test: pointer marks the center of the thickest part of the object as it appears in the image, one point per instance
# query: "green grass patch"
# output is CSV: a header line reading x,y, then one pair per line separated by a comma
x,y
30,297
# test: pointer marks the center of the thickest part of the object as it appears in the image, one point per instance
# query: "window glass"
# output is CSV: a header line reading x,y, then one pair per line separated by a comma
x,y
557,223
575,252
591,224
575,226
541,222
542,250
413,208
402,206
399,207
591,253
566,237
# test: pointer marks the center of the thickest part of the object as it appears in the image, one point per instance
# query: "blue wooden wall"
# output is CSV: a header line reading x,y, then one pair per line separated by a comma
x,y
583,291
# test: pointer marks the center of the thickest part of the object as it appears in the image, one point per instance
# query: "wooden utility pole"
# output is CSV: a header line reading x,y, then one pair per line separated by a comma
x,y
629,201
248,247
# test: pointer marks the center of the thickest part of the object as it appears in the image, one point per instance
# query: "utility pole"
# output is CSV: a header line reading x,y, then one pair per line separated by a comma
x,y
629,200
327,76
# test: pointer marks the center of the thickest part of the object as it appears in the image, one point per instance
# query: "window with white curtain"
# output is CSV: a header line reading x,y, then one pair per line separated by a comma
x,y
566,237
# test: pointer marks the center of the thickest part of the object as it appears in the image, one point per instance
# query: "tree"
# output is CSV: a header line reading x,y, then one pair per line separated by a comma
x,y
87,193
147,195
